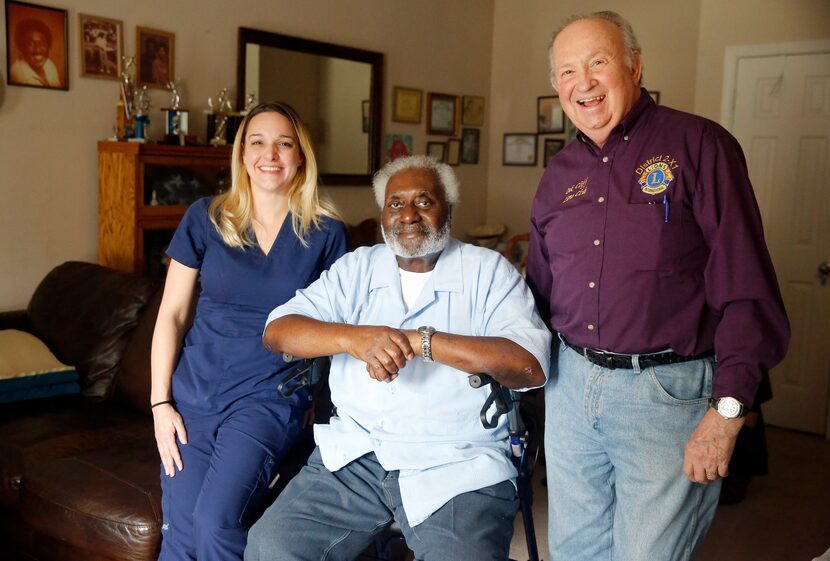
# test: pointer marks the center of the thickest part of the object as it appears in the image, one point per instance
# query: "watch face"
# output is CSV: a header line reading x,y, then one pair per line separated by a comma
x,y
729,407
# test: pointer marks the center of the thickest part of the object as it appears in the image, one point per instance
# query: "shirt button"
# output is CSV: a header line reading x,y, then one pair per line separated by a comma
x,y
600,199
590,327
592,284
605,159
625,137
596,242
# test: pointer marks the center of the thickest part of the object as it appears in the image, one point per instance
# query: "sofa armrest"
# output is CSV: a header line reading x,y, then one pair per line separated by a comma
x,y
16,319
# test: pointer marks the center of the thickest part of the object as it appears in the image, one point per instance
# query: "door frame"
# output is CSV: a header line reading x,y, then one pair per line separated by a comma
x,y
732,57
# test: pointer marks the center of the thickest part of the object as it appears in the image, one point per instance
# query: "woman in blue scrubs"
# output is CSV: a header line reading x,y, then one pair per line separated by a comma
x,y
213,382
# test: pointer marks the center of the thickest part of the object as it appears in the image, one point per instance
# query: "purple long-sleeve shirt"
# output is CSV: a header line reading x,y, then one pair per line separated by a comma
x,y
655,242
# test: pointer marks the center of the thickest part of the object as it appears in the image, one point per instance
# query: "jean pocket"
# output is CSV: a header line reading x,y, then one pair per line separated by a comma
x,y
687,383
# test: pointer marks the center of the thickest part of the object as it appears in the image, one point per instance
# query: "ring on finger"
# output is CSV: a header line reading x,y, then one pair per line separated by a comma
x,y
711,475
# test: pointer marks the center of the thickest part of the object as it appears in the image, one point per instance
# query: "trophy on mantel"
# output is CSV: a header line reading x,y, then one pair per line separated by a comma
x,y
175,118
141,106
124,125
217,118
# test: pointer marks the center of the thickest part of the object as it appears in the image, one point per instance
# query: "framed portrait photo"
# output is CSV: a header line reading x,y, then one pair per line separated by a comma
x,y
552,147
519,149
454,151
36,46
406,105
469,145
102,45
155,53
472,110
442,114
437,150
655,96
397,146
549,115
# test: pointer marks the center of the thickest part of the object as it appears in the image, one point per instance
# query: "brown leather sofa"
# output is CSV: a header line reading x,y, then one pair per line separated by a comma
x,y
79,474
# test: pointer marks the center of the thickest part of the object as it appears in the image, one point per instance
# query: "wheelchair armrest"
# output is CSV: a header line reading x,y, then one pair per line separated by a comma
x,y
309,373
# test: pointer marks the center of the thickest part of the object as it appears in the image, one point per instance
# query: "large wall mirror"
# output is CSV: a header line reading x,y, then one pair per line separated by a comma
x,y
337,90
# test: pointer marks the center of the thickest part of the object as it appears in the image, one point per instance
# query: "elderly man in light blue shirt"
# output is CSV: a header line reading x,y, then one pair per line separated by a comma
x,y
405,323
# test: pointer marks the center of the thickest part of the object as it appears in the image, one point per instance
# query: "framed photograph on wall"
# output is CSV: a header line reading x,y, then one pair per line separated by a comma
x,y
552,147
519,149
155,53
437,150
472,110
37,53
397,146
469,146
101,47
454,151
549,115
442,114
655,96
406,105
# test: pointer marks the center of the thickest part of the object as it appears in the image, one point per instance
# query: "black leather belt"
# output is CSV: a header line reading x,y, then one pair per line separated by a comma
x,y
613,360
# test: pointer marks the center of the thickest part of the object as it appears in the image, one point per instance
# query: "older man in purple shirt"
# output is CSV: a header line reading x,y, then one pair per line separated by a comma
x,y
647,256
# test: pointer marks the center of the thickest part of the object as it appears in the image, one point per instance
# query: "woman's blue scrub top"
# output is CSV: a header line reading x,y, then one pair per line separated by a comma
x,y
223,359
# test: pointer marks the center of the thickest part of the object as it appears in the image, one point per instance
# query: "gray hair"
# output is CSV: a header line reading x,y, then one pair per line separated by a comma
x,y
446,176
632,45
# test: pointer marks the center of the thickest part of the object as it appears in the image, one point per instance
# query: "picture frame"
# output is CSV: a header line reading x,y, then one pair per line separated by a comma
x,y
437,150
549,115
37,46
472,110
102,46
155,53
406,105
469,146
442,114
365,114
552,147
454,151
519,149
397,146
655,95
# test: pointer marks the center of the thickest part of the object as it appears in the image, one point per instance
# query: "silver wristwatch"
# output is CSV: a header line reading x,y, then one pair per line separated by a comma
x,y
729,407
426,342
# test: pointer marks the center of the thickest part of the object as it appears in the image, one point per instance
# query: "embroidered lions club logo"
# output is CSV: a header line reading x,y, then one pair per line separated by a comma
x,y
655,178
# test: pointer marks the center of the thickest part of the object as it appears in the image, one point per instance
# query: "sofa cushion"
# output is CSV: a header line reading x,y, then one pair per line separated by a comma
x,y
64,430
28,369
107,500
85,313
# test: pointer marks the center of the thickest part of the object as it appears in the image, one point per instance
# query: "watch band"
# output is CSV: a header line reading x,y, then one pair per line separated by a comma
x,y
426,342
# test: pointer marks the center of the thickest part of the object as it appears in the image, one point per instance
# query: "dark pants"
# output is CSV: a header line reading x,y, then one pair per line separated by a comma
x,y
324,515
229,461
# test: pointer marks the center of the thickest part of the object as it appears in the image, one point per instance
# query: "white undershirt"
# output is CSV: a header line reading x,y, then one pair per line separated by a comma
x,y
411,286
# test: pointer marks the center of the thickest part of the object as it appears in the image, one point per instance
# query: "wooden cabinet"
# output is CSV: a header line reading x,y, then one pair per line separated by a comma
x,y
143,192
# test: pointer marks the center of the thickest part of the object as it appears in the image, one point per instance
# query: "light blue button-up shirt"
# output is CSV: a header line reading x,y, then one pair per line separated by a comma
x,y
425,423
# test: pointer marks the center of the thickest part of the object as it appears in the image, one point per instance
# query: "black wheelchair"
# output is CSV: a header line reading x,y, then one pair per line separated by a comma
x,y
523,431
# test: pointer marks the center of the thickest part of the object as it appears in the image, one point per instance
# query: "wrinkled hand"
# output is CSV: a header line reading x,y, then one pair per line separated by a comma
x,y
710,447
168,424
384,350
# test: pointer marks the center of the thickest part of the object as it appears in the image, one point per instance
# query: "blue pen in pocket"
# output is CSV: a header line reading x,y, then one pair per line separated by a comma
x,y
666,204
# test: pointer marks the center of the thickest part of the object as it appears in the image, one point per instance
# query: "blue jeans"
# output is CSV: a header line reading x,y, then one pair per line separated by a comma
x,y
614,444
324,515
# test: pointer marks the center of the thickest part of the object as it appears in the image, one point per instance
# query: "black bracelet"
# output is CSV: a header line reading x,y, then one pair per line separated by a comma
x,y
170,401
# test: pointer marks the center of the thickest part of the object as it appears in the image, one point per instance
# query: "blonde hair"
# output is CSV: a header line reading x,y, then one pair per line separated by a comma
x,y
232,212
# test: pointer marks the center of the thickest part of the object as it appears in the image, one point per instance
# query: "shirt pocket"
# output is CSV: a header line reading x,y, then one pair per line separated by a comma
x,y
653,231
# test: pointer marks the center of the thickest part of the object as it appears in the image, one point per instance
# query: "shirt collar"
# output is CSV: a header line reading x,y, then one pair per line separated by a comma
x,y
447,276
629,121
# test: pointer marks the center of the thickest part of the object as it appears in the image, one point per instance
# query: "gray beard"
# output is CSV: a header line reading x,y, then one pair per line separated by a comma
x,y
435,241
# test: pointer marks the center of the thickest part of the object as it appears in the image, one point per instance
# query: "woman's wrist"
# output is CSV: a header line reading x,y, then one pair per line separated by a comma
x,y
170,402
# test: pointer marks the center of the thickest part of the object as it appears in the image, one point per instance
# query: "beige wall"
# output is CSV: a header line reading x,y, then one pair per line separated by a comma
x,y
749,22
48,160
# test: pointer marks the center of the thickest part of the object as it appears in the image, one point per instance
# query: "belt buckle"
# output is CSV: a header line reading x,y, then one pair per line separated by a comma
x,y
601,358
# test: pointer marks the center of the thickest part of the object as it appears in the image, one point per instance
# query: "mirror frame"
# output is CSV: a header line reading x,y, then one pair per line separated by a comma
x,y
374,59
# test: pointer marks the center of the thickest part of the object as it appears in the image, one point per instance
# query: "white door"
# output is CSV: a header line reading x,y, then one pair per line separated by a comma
x,y
782,120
